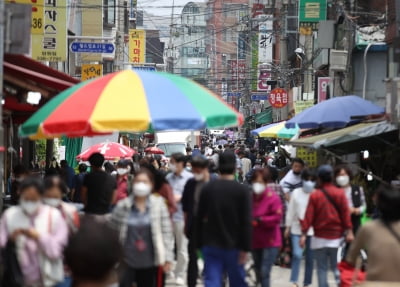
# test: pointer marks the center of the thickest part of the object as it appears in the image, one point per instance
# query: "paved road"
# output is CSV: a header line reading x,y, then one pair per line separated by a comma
x,y
280,278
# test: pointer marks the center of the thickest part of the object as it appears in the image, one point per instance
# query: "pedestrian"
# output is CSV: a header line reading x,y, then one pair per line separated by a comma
x,y
76,192
54,191
92,254
245,161
329,214
99,188
52,168
123,180
38,233
190,200
67,174
19,174
295,213
381,241
177,179
267,215
145,232
292,179
354,194
223,226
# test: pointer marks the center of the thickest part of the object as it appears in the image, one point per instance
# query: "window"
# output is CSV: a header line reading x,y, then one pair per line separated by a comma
x,y
109,13
229,36
108,66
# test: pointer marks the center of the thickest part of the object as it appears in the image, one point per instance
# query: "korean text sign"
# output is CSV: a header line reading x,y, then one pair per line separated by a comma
x,y
137,46
52,44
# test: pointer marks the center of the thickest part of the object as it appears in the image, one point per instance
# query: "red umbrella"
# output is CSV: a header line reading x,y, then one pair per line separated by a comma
x,y
110,150
154,150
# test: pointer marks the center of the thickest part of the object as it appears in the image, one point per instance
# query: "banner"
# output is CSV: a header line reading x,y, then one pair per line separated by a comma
x,y
263,77
237,71
323,86
52,44
37,14
254,62
241,46
91,71
137,46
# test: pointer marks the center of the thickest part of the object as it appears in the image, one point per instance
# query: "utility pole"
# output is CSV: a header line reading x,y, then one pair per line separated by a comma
x,y
283,50
2,148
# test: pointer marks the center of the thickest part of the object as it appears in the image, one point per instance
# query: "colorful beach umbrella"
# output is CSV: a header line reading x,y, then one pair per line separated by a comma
x,y
131,101
275,130
110,150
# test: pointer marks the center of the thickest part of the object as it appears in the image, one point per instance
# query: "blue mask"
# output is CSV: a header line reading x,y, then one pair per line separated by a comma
x,y
308,186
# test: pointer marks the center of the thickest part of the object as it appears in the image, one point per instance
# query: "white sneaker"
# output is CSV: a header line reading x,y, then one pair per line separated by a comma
x,y
179,281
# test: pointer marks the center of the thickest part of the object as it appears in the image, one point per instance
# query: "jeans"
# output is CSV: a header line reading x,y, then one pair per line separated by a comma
x,y
297,255
217,261
181,249
325,257
66,283
264,259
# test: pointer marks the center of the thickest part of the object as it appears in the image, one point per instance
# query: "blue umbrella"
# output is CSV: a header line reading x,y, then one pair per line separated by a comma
x,y
334,113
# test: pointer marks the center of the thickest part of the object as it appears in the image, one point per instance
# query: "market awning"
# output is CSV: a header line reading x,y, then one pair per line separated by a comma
x,y
353,138
31,75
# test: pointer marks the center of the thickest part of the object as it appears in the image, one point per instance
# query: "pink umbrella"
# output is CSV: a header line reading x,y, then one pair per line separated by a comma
x,y
110,150
154,150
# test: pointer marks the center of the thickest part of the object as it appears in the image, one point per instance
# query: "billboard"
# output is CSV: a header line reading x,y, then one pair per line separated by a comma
x,y
137,46
265,41
37,23
91,71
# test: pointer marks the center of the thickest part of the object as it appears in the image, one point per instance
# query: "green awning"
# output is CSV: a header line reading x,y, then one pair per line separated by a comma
x,y
264,117
350,138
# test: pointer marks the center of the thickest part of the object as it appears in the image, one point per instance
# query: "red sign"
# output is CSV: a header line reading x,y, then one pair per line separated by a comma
x,y
278,98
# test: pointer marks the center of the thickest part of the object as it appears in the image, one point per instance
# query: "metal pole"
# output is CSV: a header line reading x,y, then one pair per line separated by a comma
x,y
2,148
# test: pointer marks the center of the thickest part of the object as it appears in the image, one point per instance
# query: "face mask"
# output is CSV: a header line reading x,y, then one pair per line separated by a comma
x,y
172,167
30,207
122,171
258,188
343,180
19,179
54,202
141,189
198,176
297,172
308,186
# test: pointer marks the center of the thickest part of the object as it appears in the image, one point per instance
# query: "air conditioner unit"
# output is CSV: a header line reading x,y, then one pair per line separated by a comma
x,y
338,60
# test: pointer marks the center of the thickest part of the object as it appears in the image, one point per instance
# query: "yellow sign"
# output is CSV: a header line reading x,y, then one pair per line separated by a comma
x,y
90,71
300,106
137,46
309,156
52,44
37,24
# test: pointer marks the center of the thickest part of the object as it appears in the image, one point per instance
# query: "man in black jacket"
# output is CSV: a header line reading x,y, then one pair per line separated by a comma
x,y
190,200
223,226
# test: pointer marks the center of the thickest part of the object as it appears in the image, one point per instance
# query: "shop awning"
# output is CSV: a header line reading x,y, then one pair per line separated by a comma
x,y
24,72
353,138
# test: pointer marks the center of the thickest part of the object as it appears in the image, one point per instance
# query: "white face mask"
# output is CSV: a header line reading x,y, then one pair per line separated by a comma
x,y
54,202
308,186
198,176
172,167
141,189
258,188
30,207
343,180
122,171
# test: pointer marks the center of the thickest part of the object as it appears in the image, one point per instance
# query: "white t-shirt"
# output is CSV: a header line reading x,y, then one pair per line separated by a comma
x,y
297,210
318,243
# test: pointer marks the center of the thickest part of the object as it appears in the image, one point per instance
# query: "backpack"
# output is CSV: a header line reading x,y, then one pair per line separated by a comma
x,y
356,196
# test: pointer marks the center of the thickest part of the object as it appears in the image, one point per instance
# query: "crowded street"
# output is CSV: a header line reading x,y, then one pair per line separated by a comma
x,y
207,143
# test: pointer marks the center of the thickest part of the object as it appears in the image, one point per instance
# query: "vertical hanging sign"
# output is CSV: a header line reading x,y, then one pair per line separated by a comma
x,y
137,46
51,45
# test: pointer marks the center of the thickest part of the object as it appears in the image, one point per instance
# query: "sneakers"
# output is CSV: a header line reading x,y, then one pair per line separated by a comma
x,y
179,281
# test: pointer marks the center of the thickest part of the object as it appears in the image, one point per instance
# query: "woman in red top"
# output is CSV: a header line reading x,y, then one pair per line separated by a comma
x,y
267,214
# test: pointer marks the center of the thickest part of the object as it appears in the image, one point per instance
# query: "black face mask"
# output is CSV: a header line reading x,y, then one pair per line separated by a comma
x,y
297,172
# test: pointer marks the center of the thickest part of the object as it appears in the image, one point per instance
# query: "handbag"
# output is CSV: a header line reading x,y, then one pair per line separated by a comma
x,y
12,274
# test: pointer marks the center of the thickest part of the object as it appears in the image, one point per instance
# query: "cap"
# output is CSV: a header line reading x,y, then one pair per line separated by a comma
x,y
123,163
325,170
